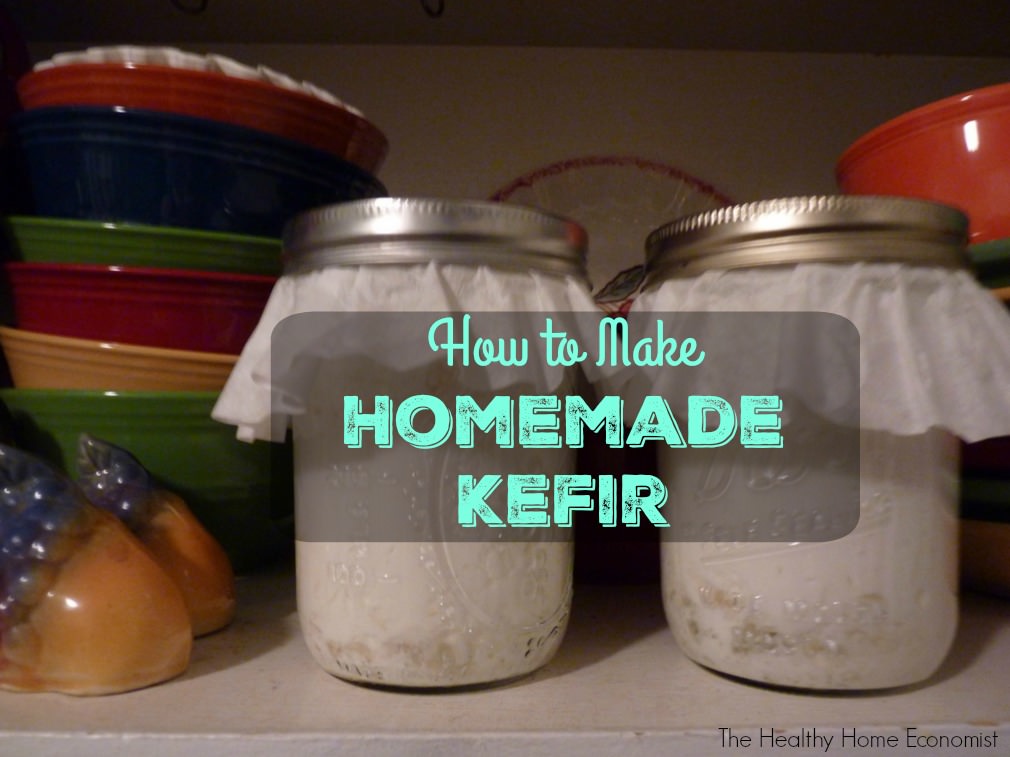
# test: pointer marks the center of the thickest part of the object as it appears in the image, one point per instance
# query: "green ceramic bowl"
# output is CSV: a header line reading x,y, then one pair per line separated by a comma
x,y
242,493
35,239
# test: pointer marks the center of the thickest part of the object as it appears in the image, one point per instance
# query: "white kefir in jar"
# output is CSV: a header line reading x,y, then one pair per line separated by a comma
x,y
874,608
420,612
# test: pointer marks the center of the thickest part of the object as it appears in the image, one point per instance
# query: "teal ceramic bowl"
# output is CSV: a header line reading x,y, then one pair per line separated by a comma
x,y
34,239
242,493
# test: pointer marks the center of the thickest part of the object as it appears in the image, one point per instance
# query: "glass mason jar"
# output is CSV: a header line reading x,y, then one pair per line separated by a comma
x,y
384,607
877,607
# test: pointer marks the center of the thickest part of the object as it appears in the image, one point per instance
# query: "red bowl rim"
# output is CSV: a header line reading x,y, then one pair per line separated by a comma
x,y
956,108
272,92
264,96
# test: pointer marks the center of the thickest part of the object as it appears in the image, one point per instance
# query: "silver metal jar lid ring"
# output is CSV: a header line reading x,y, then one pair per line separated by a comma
x,y
420,230
817,229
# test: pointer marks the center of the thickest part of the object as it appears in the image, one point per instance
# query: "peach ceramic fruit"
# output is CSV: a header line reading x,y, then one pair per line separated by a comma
x,y
84,608
116,482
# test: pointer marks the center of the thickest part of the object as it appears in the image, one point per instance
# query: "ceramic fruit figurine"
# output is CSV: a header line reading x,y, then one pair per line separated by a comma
x,y
116,482
84,608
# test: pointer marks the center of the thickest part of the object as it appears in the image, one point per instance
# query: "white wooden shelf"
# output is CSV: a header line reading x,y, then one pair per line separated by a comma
x,y
618,685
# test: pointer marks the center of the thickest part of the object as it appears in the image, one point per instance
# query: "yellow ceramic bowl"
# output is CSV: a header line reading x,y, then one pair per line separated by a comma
x,y
44,361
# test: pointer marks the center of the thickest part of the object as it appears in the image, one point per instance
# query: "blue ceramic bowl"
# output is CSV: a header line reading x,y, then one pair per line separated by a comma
x,y
118,164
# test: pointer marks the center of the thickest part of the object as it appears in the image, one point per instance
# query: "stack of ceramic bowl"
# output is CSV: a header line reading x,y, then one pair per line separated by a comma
x,y
128,332
161,182
169,138
125,307
957,151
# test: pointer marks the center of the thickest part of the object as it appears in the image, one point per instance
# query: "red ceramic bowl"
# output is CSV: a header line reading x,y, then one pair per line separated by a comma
x,y
253,104
955,151
204,311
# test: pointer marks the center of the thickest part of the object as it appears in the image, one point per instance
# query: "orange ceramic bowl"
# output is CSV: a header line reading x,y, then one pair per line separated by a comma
x,y
955,151
250,103
44,361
